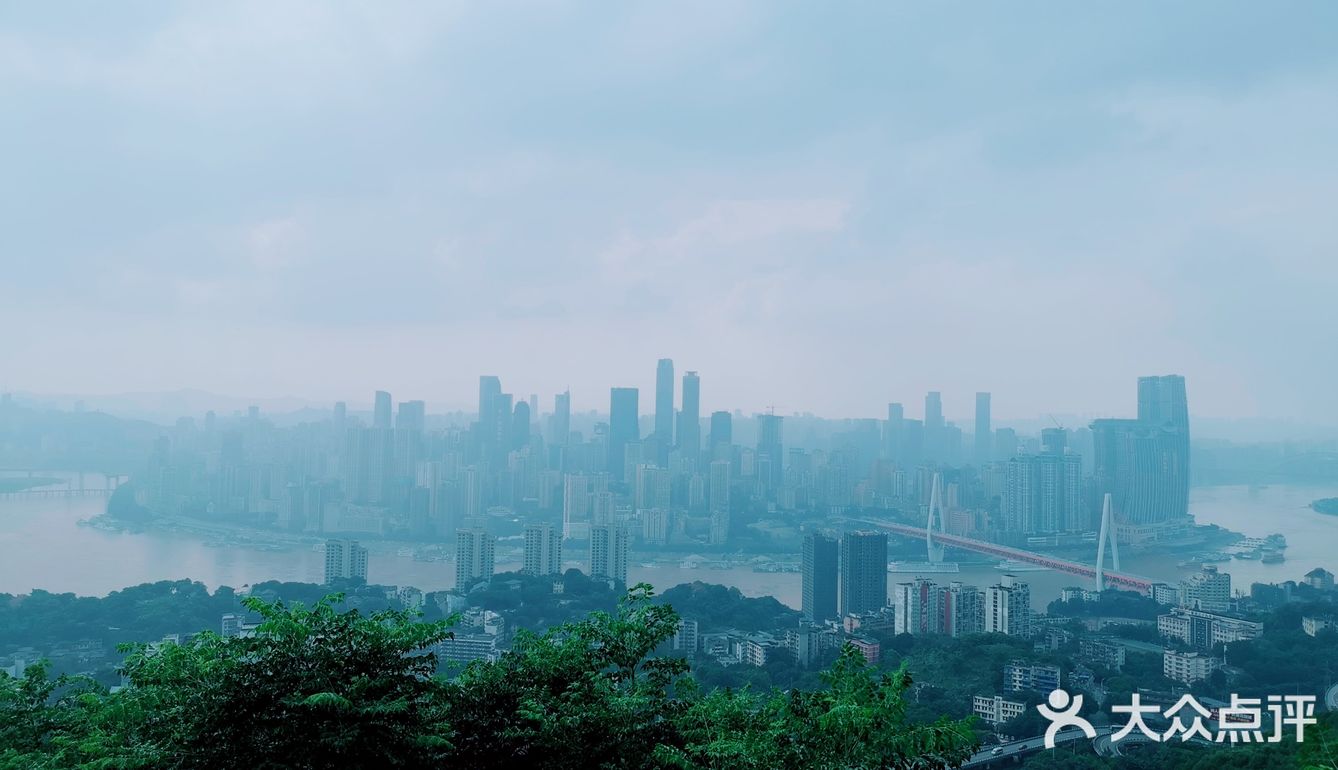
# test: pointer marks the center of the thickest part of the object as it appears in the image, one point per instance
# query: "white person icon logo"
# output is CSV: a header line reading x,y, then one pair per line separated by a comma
x,y
1063,712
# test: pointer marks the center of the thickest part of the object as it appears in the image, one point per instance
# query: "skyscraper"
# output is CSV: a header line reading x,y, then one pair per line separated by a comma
x,y
344,560
490,392
722,435
664,409
935,442
892,432
608,552
623,430
561,419
984,438
474,550
520,425
863,572
819,577
543,550
1144,463
689,418
1044,493
381,412
770,454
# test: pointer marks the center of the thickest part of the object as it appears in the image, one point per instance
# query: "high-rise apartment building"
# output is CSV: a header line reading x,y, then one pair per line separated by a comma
x,y
1008,607
1044,494
543,550
819,574
863,572
718,501
345,560
474,550
608,552
918,607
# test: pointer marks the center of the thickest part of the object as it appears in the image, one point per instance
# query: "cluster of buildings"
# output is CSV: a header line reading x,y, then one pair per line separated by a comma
x,y
673,477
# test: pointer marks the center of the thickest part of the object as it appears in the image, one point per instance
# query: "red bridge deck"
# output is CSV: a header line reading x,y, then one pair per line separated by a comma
x,y
1017,554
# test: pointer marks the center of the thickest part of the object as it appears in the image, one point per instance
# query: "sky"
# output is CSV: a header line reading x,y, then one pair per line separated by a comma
x,y
821,207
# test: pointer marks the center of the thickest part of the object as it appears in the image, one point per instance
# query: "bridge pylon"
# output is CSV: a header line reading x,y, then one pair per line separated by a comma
x,y
1107,534
935,513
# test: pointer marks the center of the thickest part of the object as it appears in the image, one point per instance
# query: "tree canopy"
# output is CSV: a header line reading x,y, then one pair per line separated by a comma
x,y
317,687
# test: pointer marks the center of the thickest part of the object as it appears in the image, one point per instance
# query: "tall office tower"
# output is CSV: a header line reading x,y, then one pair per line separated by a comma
x,y
543,550
608,552
690,417
819,577
520,425
1008,608
1144,463
561,419
345,560
718,501
984,438
501,440
1005,443
863,572
381,412
623,430
919,607
963,610
912,443
770,454
473,558
935,442
892,432
664,410
490,391
412,415
340,422
722,435
576,507
534,405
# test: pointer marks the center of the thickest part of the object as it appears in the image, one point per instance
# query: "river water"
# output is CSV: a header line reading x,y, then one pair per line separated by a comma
x,y
42,546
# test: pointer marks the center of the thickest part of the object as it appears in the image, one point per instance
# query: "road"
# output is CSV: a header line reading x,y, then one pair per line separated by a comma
x,y
1030,745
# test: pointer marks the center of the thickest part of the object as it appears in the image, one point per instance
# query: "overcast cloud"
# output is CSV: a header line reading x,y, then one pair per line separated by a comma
x,y
820,206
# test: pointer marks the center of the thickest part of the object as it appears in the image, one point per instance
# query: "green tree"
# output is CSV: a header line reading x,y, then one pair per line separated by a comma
x,y
313,688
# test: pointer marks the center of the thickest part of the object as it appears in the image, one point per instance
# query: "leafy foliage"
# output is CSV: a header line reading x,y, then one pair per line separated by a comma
x,y
319,688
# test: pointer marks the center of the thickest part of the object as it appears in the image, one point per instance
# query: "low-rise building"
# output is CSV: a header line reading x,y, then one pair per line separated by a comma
x,y
867,647
1102,652
1313,624
995,710
1205,629
1020,676
1188,667
1319,578
465,648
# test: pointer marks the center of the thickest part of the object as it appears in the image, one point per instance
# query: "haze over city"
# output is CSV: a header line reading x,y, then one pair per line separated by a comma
x,y
824,208
705,385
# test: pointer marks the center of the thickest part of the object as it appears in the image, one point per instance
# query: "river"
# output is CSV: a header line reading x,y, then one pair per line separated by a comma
x,y
42,546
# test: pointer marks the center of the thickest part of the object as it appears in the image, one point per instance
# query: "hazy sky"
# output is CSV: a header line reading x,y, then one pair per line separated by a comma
x,y
820,206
